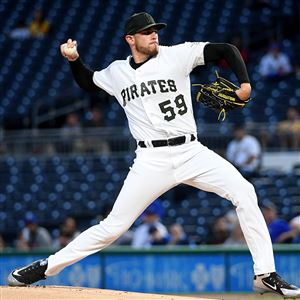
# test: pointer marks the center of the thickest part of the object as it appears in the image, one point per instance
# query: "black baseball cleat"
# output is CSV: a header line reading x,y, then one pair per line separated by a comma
x,y
273,283
29,274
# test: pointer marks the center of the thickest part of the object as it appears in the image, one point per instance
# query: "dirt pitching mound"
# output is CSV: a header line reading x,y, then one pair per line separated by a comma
x,y
77,293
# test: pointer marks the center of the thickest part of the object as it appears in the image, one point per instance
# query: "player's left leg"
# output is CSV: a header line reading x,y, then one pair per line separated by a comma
x,y
210,172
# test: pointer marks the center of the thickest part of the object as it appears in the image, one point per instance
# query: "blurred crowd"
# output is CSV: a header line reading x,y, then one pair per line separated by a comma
x,y
72,130
226,230
149,230
274,63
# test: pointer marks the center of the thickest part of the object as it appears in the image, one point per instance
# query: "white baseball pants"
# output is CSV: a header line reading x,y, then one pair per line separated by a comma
x,y
156,170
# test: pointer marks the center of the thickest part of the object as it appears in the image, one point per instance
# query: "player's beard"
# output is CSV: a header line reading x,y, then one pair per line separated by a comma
x,y
151,50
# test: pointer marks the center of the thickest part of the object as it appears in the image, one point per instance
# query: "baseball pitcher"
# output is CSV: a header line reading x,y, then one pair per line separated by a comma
x,y
153,87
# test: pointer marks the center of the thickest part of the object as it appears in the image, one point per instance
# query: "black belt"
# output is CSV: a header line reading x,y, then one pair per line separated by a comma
x,y
169,142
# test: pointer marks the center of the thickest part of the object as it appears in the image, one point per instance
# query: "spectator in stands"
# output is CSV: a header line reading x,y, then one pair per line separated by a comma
x,y
275,64
71,134
33,236
244,152
219,231
278,228
289,129
295,226
293,235
151,231
177,235
226,230
72,126
157,236
40,26
68,232
21,32
96,118
236,236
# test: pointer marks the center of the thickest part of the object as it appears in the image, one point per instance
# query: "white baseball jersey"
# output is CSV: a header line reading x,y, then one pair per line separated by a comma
x,y
156,107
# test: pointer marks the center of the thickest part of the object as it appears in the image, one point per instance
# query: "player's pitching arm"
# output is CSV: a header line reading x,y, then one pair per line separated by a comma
x,y
213,52
82,74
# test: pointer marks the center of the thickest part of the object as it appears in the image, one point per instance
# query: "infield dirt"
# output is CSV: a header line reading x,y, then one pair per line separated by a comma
x,y
81,293
74,293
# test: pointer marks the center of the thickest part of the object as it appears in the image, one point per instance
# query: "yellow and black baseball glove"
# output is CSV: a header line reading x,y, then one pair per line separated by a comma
x,y
220,96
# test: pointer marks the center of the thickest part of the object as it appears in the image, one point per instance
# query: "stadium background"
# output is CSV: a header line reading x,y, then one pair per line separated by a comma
x,y
39,170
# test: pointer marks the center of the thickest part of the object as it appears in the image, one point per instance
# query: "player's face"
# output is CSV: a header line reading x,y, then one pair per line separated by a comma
x,y
146,42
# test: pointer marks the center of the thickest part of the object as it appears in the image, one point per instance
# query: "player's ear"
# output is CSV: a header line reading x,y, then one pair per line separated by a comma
x,y
129,39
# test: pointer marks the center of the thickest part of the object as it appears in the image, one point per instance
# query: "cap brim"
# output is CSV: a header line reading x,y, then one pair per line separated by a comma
x,y
157,26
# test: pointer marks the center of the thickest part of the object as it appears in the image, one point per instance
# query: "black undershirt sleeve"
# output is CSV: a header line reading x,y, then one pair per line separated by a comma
x,y
213,52
83,76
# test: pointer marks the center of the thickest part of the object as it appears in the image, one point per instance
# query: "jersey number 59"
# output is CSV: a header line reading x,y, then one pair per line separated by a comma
x,y
168,109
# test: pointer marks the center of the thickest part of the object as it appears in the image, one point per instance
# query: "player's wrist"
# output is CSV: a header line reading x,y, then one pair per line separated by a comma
x,y
73,58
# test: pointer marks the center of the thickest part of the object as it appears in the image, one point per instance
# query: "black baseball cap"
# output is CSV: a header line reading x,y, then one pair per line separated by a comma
x,y
141,21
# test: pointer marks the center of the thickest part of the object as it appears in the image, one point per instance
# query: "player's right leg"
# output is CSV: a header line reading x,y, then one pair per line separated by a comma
x,y
149,177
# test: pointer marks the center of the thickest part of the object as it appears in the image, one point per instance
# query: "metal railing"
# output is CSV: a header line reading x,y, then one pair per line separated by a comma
x,y
68,101
112,140
53,141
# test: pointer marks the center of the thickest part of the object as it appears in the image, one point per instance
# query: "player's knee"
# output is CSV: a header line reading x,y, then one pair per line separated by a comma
x,y
249,192
244,193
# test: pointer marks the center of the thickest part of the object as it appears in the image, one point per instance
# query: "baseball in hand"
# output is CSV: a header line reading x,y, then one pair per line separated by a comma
x,y
70,51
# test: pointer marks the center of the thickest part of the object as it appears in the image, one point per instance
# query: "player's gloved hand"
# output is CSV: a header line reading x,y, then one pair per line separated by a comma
x,y
222,95
69,50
